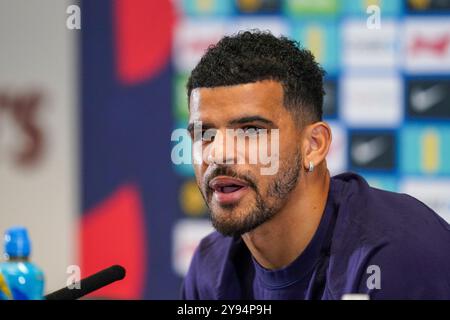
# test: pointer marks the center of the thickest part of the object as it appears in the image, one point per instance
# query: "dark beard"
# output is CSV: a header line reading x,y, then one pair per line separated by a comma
x,y
280,188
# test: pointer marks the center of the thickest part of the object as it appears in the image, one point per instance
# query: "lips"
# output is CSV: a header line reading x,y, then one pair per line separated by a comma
x,y
228,190
226,184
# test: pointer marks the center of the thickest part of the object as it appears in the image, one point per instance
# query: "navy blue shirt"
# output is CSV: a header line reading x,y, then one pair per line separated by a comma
x,y
370,241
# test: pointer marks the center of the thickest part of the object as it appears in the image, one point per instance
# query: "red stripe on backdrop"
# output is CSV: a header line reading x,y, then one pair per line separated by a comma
x,y
143,31
113,233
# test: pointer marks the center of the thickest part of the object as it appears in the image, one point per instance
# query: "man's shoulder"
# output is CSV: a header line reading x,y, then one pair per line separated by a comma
x,y
212,273
217,253
214,246
382,213
391,232
371,220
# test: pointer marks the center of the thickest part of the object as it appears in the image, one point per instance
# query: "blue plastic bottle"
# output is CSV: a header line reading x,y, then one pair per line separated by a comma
x,y
19,278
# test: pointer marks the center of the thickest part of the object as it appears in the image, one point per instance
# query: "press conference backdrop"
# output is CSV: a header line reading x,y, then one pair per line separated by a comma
x,y
116,90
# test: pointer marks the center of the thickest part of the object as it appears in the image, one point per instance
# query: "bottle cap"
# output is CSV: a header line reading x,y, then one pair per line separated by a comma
x,y
17,242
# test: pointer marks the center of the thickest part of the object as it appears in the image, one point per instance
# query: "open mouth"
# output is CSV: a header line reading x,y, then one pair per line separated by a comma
x,y
226,185
228,190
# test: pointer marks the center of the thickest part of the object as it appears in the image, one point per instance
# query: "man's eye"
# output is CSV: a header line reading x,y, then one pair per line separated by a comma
x,y
252,130
204,135
208,135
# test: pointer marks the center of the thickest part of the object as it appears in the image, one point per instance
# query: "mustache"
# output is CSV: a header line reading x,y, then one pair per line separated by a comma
x,y
223,170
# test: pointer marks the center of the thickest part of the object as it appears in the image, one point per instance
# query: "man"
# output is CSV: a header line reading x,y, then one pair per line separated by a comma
x,y
296,233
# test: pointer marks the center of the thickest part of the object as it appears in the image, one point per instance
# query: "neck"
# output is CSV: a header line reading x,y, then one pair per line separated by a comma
x,y
17,259
278,242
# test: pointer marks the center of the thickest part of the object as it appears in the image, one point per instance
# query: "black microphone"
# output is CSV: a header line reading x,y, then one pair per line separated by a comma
x,y
89,284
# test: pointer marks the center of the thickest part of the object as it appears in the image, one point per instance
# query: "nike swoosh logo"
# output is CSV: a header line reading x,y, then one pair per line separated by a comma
x,y
424,99
365,152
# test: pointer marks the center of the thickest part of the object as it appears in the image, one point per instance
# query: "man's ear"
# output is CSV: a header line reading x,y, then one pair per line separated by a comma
x,y
316,143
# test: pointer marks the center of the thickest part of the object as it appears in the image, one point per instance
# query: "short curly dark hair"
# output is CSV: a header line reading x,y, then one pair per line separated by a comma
x,y
252,56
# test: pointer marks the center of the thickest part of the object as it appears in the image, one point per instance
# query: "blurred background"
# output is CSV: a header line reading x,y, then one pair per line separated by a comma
x,y
88,103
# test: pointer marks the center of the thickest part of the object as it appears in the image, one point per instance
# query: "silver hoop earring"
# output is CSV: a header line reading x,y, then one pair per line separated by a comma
x,y
311,167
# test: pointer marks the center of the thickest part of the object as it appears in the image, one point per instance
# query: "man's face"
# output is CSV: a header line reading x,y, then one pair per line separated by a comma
x,y
239,197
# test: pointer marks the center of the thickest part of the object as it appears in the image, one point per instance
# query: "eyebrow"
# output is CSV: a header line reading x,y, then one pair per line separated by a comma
x,y
242,120
251,119
190,127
